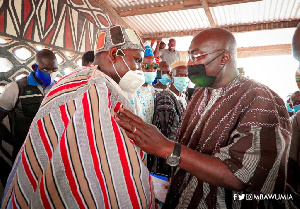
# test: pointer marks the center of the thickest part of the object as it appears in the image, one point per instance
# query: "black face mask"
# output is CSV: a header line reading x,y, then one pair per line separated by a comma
x,y
198,76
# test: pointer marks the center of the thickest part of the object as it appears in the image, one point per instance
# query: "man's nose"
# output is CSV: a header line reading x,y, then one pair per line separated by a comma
x,y
190,62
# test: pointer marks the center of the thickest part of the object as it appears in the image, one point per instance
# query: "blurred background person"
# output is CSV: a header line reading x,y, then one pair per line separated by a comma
x,y
294,155
146,92
169,55
88,58
165,79
20,101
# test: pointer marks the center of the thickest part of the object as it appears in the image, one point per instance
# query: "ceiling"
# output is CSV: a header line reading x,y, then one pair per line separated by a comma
x,y
169,18
154,19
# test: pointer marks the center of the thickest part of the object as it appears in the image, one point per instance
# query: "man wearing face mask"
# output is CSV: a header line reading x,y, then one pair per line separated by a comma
x,y
234,134
165,79
75,154
21,100
145,94
169,106
294,156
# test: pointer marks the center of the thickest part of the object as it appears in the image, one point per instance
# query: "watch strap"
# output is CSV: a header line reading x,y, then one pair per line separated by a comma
x,y
177,150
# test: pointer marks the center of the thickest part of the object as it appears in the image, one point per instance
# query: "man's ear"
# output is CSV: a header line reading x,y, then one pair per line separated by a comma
x,y
33,67
225,58
112,54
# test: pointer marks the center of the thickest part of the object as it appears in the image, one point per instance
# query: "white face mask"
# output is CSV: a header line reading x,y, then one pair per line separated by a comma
x,y
132,80
53,76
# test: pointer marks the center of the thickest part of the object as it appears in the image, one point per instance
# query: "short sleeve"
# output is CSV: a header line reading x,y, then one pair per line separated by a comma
x,y
9,96
160,52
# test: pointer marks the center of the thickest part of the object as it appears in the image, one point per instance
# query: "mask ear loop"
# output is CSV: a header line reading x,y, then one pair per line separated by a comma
x,y
121,54
214,59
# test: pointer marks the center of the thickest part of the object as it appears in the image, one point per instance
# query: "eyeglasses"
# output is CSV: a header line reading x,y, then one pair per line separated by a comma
x,y
147,66
194,57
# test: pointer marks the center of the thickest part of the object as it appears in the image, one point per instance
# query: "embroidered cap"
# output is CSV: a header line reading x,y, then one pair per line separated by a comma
x,y
118,36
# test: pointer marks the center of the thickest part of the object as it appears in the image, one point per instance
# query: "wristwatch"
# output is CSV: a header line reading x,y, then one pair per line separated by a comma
x,y
174,158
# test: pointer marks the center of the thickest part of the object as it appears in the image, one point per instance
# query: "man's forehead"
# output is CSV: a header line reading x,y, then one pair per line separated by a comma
x,y
46,60
202,45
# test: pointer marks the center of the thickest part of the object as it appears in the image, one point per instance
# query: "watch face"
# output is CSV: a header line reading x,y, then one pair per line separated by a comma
x,y
173,160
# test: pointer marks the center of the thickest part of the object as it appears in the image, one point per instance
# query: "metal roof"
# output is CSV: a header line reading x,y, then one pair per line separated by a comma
x,y
168,18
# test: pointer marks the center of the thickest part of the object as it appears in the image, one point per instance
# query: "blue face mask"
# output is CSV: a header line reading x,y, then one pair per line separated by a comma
x,y
296,108
288,107
150,76
165,79
181,83
44,77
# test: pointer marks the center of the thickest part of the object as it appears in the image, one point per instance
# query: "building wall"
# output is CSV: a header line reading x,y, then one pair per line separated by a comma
x,y
68,27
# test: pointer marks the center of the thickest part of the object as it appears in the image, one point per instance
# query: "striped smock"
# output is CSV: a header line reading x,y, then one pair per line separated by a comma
x,y
75,154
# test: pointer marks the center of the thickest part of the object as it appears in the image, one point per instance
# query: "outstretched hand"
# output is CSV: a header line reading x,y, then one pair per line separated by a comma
x,y
144,135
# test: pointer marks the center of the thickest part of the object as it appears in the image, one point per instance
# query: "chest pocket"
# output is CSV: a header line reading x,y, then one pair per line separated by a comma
x,y
30,103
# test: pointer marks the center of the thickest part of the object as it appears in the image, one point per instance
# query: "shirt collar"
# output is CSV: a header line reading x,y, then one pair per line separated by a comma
x,y
31,80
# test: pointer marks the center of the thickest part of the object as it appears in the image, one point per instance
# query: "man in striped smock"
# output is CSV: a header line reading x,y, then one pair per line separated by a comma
x,y
75,154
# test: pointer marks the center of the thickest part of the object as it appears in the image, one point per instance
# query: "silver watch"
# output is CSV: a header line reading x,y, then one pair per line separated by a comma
x,y
174,158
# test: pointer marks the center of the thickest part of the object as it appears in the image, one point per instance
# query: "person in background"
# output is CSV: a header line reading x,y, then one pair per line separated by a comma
x,y
234,135
169,106
294,156
145,94
75,154
88,58
161,45
295,101
169,55
20,101
165,79
289,106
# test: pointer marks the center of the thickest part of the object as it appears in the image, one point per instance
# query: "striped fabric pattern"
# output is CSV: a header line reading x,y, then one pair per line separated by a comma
x,y
75,155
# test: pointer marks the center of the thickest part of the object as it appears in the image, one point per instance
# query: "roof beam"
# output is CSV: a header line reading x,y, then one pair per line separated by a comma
x,y
114,15
255,51
233,29
185,4
208,13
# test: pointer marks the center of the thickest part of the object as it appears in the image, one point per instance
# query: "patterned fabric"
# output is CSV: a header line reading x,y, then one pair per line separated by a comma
x,y
168,111
75,155
244,124
294,155
146,102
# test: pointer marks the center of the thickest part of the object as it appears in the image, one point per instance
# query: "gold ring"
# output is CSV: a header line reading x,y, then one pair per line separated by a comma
x,y
134,130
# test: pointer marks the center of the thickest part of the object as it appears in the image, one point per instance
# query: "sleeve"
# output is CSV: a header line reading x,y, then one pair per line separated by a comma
x,y
295,142
9,96
160,52
178,55
257,148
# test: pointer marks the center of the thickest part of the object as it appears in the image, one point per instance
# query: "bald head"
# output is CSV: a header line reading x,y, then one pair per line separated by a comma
x,y
217,38
296,43
216,49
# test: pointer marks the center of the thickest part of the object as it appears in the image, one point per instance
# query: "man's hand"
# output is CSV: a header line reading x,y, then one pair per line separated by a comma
x,y
144,135
158,40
